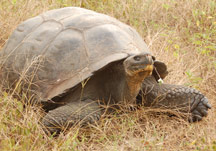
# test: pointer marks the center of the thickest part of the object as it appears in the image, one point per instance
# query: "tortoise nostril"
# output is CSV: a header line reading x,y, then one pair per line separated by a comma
x,y
137,58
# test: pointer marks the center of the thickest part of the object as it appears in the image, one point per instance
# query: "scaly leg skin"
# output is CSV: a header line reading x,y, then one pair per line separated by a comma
x,y
64,117
167,96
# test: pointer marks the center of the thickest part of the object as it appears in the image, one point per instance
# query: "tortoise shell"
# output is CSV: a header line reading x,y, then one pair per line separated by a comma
x,y
60,48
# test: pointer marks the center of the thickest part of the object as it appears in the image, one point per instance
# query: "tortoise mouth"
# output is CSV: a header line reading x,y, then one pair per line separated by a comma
x,y
139,67
140,70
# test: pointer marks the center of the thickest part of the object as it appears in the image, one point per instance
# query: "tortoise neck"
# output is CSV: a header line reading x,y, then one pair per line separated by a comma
x,y
133,86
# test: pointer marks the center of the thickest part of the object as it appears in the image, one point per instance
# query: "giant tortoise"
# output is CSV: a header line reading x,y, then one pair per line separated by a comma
x,y
73,60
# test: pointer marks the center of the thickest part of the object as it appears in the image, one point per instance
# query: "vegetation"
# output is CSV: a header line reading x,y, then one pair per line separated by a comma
x,y
181,33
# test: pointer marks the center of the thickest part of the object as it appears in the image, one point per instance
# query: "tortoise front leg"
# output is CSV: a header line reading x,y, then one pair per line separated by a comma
x,y
64,117
185,99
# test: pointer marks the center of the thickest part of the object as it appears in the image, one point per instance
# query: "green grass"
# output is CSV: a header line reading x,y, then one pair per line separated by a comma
x,y
182,33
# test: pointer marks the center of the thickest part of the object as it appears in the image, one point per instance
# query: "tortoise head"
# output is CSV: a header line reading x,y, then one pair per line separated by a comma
x,y
139,66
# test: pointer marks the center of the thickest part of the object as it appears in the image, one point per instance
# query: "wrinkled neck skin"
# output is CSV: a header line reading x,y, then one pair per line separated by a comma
x,y
123,87
133,85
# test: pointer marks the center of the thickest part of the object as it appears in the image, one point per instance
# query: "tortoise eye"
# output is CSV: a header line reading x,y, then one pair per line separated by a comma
x,y
153,58
137,58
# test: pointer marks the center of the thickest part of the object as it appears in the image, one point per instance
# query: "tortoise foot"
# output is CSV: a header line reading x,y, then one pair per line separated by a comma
x,y
201,109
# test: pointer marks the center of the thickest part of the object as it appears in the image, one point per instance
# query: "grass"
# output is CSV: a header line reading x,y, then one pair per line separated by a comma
x,y
181,33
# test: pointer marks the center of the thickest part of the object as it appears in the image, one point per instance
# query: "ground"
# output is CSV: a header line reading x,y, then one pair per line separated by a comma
x,y
182,33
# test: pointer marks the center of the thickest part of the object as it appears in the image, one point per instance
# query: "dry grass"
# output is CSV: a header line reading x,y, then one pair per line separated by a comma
x,y
181,33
